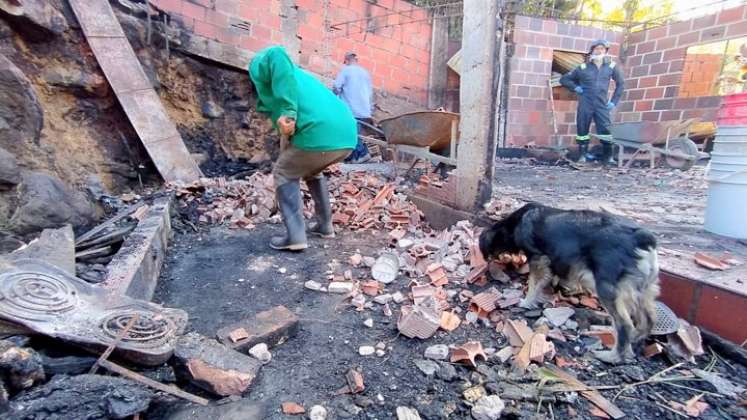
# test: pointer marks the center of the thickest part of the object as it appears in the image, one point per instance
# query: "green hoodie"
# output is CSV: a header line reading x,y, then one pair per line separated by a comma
x,y
323,122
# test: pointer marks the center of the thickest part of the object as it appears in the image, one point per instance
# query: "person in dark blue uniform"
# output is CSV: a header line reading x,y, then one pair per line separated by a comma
x,y
591,81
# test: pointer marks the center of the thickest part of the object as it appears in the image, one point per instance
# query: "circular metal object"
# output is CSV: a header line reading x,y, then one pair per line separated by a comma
x,y
684,146
150,330
35,296
666,321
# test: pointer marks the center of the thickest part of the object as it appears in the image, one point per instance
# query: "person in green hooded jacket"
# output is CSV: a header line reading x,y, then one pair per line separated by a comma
x,y
321,130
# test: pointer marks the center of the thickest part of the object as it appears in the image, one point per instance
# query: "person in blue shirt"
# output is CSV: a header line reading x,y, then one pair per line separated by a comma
x,y
591,82
353,86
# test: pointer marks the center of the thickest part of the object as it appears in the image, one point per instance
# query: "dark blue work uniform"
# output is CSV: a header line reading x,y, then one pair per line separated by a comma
x,y
592,103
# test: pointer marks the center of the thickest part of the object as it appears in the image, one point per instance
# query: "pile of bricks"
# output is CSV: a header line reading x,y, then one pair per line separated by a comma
x,y
365,201
432,187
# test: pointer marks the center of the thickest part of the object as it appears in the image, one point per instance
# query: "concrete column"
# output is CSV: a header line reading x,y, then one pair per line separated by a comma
x,y
439,58
289,28
476,152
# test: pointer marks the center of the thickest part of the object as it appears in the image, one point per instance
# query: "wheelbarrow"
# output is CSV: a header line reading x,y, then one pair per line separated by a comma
x,y
667,139
428,135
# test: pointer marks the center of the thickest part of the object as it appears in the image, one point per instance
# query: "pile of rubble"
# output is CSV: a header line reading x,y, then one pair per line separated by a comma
x,y
438,282
359,201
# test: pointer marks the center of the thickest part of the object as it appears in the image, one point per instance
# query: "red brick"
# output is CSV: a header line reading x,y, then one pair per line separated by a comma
x,y
705,21
654,93
217,18
645,47
716,306
676,66
550,26
271,327
580,44
656,33
671,91
205,29
688,39
669,79
650,116
631,117
644,105
193,11
174,6
663,104
634,95
730,15
253,44
666,43
647,82
625,106
230,7
736,29
713,34
639,71
660,68
684,103
674,54
634,61
651,58
262,32
680,27
554,41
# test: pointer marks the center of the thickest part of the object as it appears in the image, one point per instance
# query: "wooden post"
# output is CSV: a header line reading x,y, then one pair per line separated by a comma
x,y
476,150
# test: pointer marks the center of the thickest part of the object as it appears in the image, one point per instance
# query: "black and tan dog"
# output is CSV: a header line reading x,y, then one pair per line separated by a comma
x,y
595,251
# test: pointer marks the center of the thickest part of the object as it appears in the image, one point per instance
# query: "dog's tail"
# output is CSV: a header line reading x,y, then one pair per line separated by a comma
x,y
648,285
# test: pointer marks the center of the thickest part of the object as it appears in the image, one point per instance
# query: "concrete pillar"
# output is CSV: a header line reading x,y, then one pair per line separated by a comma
x,y
476,152
439,58
289,28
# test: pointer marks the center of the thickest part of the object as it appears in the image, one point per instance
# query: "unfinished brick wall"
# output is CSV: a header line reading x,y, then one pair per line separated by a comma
x,y
529,113
699,75
656,64
394,45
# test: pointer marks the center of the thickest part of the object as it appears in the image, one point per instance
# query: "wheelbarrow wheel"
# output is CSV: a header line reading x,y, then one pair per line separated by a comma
x,y
684,146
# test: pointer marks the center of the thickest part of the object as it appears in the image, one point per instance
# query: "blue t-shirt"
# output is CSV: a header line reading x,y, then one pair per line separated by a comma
x,y
353,86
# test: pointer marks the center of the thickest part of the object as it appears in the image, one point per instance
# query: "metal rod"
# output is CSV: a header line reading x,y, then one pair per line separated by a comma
x,y
113,367
115,343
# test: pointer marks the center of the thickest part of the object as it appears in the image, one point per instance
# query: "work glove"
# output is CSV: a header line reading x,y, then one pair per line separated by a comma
x,y
578,89
610,105
286,125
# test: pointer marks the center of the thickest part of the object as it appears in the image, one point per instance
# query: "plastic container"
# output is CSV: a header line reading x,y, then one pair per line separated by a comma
x,y
726,208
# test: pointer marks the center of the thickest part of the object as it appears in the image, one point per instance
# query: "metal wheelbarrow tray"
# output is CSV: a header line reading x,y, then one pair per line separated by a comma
x,y
678,151
420,129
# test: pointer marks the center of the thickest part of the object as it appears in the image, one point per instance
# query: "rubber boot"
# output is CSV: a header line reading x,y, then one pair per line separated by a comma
x,y
291,208
607,154
320,194
583,151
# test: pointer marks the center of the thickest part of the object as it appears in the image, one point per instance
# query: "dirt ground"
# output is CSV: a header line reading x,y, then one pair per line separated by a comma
x,y
219,276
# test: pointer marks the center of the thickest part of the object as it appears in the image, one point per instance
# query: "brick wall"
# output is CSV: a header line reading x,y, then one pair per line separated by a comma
x,y
656,64
394,46
699,75
529,113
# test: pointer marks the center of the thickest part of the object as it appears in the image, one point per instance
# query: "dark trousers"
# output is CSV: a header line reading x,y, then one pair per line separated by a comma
x,y
588,110
360,149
